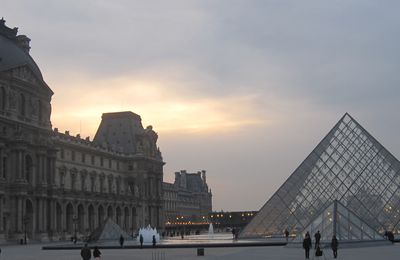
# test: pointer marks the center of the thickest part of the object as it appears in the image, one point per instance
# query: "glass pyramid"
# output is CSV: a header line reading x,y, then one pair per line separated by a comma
x,y
348,165
337,219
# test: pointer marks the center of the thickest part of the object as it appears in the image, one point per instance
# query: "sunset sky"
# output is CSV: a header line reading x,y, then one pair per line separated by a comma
x,y
242,89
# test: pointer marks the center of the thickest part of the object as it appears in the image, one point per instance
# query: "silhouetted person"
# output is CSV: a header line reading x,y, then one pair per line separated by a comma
x,y
96,253
390,236
307,245
121,241
141,240
334,246
233,233
317,237
287,235
154,241
85,252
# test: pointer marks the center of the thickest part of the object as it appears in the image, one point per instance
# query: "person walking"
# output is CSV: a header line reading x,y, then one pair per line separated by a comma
x,y
141,240
121,241
154,241
334,246
287,235
307,245
85,252
96,253
317,237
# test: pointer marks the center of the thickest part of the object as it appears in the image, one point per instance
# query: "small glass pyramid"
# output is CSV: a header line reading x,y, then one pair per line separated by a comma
x,y
349,166
337,219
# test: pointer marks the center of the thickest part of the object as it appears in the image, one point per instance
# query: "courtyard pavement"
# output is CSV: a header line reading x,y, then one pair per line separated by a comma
x,y
34,251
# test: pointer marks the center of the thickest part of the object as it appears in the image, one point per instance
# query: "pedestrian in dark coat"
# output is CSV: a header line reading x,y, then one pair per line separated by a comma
x,y
141,240
85,252
154,241
334,246
287,235
317,237
307,245
96,253
121,241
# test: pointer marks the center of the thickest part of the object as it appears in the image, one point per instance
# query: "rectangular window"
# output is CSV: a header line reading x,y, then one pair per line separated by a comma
x,y
83,158
101,161
117,166
110,163
73,155
93,159
62,153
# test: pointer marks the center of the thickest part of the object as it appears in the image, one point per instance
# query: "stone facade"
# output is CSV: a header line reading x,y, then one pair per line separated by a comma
x,y
188,198
54,185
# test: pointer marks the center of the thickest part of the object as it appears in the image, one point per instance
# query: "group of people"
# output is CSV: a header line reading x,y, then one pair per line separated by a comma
x,y
86,254
307,245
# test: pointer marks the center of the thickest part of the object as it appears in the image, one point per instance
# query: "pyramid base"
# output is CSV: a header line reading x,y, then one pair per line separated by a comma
x,y
345,244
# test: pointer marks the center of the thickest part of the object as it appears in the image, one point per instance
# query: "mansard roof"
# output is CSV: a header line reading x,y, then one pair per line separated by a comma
x,y
13,52
125,131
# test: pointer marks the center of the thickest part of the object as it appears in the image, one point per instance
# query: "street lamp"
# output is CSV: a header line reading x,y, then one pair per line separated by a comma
x,y
26,221
75,220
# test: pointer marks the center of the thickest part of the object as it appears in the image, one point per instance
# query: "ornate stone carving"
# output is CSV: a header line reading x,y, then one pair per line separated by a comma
x,y
24,74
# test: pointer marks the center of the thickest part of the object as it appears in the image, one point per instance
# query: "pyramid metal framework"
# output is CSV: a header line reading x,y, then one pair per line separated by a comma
x,y
336,219
348,165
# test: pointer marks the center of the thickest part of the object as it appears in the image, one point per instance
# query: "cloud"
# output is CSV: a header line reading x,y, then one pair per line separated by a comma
x,y
163,106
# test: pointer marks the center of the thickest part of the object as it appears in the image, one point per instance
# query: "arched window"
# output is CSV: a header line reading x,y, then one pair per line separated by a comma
x,y
2,98
22,105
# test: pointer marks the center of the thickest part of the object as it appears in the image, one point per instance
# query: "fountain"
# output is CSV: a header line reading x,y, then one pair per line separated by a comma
x,y
147,234
210,231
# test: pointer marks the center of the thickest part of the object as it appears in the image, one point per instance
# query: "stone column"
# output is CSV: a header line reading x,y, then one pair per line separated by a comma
x,y
44,169
40,168
53,216
20,214
1,164
1,214
40,214
45,219
63,218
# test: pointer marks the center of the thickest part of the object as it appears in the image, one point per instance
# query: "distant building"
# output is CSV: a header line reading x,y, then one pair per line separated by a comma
x,y
231,219
54,185
187,199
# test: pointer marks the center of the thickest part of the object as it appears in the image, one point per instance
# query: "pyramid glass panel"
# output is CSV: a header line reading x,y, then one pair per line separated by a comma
x,y
348,165
337,219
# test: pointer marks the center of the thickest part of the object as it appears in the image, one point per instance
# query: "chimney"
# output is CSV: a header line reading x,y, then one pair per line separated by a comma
x,y
177,178
204,176
183,179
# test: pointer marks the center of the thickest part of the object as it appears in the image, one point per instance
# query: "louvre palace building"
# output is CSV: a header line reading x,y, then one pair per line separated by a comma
x,y
54,185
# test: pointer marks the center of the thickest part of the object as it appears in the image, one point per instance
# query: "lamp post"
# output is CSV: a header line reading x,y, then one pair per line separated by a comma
x,y
75,221
26,221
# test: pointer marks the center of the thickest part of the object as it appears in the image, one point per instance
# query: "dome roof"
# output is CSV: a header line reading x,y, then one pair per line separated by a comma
x,y
14,51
